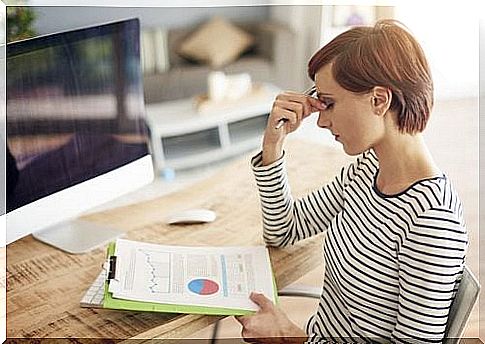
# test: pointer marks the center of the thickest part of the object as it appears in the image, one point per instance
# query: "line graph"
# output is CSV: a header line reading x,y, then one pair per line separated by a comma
x,y
158,270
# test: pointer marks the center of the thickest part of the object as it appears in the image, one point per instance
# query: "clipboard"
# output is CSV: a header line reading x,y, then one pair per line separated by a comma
x,y
111,302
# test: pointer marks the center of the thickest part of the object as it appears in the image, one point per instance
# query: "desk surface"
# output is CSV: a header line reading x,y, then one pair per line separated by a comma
x,y
44,285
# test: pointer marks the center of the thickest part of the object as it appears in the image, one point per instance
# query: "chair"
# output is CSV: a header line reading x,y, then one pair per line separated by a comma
x,y
461,307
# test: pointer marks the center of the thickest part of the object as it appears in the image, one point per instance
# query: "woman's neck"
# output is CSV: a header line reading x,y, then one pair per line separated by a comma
x,y
403,160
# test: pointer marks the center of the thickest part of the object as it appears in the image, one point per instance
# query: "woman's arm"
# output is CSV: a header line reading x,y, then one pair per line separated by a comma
x,y
285,220
293,108
430,268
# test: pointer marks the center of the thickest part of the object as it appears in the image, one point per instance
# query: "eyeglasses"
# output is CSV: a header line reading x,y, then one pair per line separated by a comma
x,y
311,91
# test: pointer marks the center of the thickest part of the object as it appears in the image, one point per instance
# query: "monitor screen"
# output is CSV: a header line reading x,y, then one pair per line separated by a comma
x,y
76,130
74,109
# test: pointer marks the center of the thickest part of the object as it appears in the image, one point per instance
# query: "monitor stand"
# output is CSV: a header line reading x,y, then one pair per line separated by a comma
x,y
77,236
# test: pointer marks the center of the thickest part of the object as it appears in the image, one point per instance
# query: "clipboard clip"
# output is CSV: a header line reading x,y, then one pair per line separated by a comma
x,y
109,267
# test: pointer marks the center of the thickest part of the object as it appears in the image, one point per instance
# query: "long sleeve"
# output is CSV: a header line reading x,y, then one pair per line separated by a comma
x,y
393,263
285,220
430,267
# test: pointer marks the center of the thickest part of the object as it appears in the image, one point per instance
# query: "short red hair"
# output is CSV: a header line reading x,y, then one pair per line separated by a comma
x,y
383,55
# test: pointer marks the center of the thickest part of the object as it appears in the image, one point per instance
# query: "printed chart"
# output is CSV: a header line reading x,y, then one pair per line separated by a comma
x,y
220,277
203,286
158,269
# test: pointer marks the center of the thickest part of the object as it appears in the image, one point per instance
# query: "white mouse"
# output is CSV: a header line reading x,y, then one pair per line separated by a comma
x,y
191,216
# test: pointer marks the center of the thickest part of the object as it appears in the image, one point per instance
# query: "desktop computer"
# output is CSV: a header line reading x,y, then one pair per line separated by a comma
x,y
76,135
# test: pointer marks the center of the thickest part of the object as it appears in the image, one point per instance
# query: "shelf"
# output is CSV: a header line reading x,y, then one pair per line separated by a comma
x,y
192,144
180,116
244,130
183,138
217,154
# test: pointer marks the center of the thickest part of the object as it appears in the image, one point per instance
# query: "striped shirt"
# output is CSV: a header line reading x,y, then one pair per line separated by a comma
x,y
393,262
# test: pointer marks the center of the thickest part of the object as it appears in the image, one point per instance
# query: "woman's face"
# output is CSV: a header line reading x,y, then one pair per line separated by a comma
x,y
349,116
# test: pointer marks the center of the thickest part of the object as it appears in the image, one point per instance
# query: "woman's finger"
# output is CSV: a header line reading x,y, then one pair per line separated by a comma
x,y
298,108
309,103
296,98
317,104
287,114
262,301
301,110
242,319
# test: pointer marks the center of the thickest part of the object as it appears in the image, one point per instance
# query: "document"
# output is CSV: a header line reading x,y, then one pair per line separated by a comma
x,y
220,277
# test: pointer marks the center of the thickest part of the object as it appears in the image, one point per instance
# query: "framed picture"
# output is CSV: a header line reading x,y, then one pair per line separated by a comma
x,y
338,18
351,15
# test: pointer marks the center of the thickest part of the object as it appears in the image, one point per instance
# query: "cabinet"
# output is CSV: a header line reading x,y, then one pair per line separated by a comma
x,y
181,137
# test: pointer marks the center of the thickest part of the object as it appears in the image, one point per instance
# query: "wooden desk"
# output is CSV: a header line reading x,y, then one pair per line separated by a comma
x,y
45,285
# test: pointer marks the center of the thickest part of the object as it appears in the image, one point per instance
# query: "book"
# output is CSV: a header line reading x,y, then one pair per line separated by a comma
x,y
183,279
161,50
148,58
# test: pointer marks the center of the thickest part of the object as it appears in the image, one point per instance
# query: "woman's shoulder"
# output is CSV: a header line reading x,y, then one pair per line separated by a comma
x,y
437,211
442,196
434,216
441,187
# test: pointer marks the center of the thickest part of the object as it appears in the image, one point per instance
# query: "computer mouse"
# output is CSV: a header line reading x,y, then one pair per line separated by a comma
x,y
191,216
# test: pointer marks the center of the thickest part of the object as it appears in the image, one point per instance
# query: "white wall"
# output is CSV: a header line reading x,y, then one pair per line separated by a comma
x,y
482,62
482,167
448,33
305,21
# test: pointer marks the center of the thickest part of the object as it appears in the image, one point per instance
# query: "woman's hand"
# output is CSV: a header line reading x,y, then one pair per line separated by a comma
x,y
294,107
269,324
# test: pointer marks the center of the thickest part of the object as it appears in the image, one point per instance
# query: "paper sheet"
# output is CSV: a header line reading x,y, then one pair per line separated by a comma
x,y
198,276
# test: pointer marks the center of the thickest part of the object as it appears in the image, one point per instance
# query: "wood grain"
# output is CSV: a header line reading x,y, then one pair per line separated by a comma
x,y
45,285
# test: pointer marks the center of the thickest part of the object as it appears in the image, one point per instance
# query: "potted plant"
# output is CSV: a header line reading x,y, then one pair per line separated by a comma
x,y
20,20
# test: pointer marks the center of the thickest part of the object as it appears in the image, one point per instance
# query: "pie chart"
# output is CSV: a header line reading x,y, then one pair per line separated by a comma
x,y
203,286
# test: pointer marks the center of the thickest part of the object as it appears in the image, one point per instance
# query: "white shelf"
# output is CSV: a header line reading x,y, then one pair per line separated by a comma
x,y
210,156
182,137
244,130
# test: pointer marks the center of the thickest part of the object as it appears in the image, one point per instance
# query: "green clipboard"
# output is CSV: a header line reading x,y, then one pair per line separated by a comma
x,y
115,303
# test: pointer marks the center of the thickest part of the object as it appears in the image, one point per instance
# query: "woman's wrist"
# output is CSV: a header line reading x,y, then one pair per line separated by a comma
x,y
270,155
272,151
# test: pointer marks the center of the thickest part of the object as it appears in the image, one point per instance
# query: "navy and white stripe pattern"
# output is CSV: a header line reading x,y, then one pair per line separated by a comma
x,y
393,263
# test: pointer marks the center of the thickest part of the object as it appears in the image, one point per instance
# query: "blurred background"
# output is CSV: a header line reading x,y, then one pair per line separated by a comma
x,y
448,34
211,73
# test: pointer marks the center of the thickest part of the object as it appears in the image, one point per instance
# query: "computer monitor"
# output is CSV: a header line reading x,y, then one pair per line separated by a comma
x,y
76,133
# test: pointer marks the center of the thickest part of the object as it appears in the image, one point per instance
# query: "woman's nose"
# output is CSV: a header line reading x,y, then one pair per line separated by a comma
x,y
323,120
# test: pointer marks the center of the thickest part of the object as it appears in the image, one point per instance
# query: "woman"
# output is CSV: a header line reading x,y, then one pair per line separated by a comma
x,y
396,238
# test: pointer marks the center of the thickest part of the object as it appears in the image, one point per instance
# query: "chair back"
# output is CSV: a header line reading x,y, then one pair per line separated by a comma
x,y
462,305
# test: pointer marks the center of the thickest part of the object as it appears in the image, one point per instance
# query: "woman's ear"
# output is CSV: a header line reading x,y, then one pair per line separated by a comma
x,y
381,100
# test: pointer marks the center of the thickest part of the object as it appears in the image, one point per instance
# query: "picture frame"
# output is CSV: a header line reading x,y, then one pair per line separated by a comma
x,y
338,18
344,16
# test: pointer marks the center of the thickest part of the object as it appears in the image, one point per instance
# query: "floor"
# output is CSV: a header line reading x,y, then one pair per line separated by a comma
x,y
452,136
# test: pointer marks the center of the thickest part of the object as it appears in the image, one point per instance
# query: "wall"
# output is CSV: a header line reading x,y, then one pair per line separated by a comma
x,y
448,34
305,22
482,173
311,24
52,19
